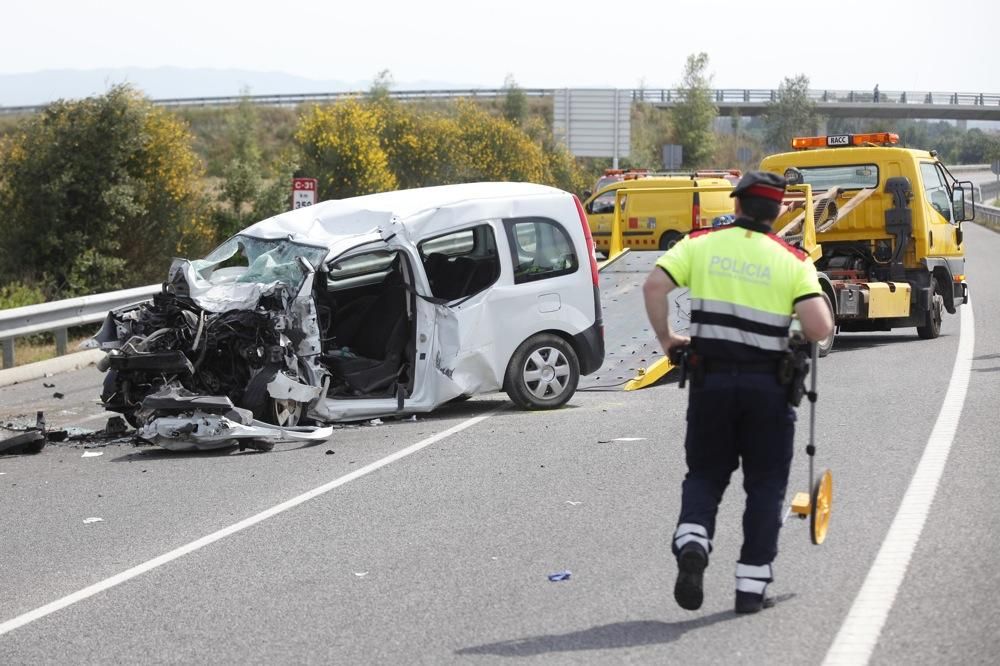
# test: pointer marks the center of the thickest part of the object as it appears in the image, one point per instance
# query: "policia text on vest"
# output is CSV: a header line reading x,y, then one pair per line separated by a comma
x,y
745,285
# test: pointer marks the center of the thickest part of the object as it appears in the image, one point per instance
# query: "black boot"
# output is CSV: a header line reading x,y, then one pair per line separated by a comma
x,y
751,587
691,562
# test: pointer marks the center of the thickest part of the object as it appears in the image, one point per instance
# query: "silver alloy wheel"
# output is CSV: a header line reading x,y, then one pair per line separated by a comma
x,y
546,373
287,413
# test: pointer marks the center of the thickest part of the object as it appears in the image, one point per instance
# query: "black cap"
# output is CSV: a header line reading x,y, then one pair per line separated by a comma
x,y
761,184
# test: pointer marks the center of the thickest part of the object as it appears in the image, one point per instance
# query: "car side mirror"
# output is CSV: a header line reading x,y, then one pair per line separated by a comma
x,y
586,194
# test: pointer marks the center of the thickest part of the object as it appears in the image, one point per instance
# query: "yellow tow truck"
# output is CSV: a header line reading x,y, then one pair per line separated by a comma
x,y
883,225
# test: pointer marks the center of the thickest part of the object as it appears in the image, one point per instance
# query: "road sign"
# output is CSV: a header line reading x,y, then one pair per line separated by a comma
x,y
303,192
995,167
593,122
673,156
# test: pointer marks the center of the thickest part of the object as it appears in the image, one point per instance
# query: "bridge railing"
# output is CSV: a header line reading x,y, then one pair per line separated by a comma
x,y
655,95
764,96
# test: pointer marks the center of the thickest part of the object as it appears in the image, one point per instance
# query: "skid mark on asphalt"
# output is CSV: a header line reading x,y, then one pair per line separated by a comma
x,y
186,549
859,634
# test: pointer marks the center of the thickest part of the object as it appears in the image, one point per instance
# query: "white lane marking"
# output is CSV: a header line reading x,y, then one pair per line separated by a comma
x,y
859,634
118,579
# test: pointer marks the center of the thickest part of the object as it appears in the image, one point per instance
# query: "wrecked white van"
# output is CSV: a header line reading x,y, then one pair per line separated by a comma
x,y
385,304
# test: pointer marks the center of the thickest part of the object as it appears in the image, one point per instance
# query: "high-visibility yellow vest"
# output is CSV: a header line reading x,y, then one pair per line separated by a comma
x,y
744,283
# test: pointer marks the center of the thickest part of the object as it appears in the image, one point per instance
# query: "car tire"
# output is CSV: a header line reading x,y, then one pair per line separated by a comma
x,y
543,373
669,239
931,327
825,346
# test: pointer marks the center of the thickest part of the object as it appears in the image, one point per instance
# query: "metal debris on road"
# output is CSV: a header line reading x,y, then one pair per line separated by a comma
x,y
58,395
330,452
560,576
93,519
48,385
572,503
92,454
360,574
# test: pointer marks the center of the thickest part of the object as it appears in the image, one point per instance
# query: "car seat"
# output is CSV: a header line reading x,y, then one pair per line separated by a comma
x,y
375,350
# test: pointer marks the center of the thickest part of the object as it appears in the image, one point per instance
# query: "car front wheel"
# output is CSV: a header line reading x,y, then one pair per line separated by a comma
x,y
543,373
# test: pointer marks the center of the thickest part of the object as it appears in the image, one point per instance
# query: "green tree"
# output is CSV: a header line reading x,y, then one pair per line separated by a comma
x,y
693,118
791,114
650,130
515,102
97,194
250,190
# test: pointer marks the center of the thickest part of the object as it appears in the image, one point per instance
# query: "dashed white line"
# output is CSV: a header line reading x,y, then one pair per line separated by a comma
x,y
118,579
859,634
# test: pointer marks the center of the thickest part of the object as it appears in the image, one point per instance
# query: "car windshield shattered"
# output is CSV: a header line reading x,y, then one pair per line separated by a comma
x,y
243,259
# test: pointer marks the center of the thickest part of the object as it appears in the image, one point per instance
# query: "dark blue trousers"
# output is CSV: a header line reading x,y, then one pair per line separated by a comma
x,y
734,418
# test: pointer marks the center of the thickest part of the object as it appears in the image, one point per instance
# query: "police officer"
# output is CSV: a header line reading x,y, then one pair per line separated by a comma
x,y
745,284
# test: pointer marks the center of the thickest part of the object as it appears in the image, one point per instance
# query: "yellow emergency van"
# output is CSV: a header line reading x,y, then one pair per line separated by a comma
x,y
658,221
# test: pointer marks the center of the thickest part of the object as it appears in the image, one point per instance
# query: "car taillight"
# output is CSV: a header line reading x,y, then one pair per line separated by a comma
x,y
590,241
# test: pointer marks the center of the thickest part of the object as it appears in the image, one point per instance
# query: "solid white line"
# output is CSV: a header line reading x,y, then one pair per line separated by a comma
x,y
859,634
118,579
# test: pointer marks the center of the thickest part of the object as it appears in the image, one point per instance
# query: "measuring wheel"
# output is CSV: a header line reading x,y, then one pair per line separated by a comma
x,y
820,505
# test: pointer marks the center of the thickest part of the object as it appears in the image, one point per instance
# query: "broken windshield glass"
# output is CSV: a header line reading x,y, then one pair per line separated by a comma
x,y
247,260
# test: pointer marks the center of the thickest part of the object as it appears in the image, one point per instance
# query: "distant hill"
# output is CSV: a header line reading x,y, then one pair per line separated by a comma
x,y
166,82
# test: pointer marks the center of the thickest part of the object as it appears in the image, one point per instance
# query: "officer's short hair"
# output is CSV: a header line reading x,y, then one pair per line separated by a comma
x,y
760,209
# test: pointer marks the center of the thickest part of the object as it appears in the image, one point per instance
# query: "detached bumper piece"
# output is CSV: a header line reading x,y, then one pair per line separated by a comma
x,y
179,421
30,440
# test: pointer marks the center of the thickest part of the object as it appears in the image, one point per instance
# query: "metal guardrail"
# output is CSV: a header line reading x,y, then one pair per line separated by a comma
x,y
658,95
988,216
58,316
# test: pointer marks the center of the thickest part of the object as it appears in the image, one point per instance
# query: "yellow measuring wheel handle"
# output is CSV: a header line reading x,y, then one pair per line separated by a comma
x,y
822,503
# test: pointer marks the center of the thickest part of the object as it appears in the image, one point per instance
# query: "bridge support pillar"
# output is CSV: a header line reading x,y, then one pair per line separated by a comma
x,y
962,124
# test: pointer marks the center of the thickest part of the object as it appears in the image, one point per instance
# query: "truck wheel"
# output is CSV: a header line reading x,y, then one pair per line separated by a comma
x,y
826,344
932,318
669,239
543,373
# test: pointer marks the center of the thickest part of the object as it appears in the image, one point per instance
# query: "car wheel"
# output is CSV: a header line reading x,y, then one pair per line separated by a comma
x,y
283,413
931,327
669,239
543,373
826,344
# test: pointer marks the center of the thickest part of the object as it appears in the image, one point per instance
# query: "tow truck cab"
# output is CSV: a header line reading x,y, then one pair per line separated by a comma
x,y
883,225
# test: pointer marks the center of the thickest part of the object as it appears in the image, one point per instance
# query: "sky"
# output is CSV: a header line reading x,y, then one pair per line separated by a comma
x,y
848,44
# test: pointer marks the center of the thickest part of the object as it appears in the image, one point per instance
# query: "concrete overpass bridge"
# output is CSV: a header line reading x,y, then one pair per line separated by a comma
x,y
922,104
744,101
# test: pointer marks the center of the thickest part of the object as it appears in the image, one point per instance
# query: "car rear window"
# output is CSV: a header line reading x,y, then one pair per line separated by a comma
x,y
540,249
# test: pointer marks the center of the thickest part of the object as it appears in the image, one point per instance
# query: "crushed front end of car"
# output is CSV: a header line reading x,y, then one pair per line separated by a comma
x,y
225,354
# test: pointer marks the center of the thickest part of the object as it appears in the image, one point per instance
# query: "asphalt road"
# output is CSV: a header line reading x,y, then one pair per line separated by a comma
x,y
443,555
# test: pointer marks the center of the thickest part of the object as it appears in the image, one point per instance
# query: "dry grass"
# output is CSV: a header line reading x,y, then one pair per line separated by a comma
x,y
40,348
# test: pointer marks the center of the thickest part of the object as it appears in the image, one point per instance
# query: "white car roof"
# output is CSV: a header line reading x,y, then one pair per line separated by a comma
x,y
343,223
